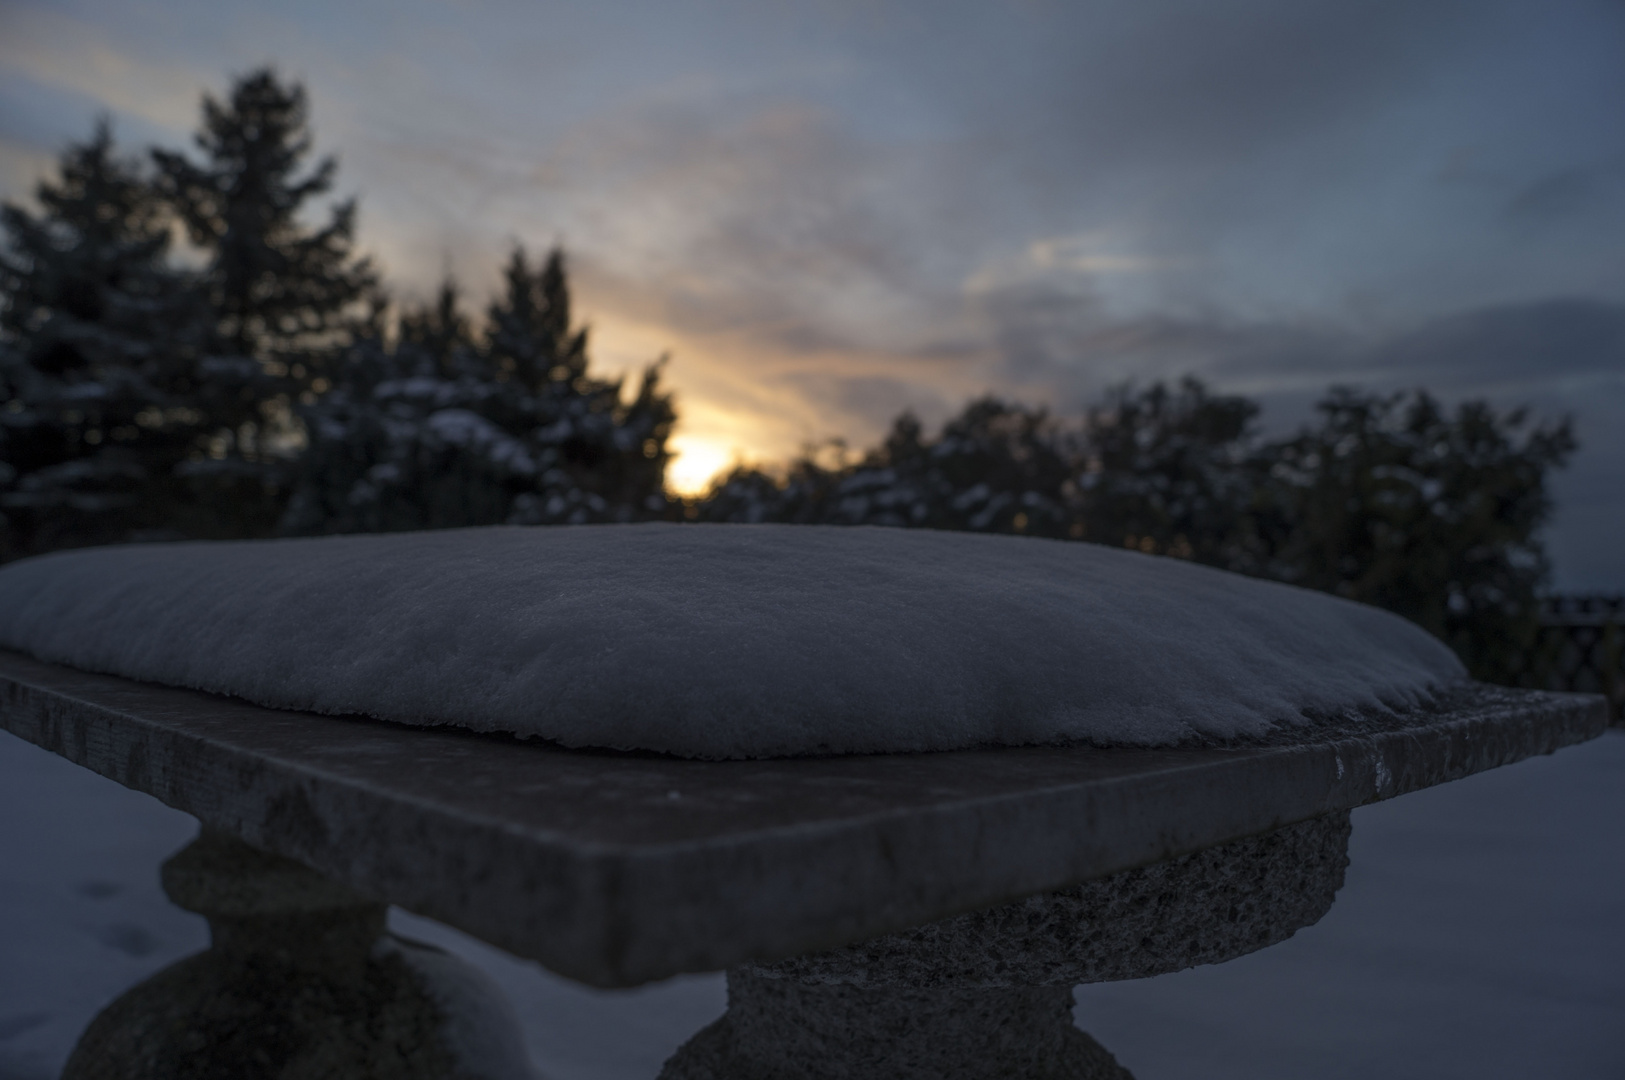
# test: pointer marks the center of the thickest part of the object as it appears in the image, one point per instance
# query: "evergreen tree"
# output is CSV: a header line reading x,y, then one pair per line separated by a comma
x,y
807,492
403,440
996,467
1172,472
282,292
443,430
284,295
530,341
442,336
597,458
748,495
1392,501
100,342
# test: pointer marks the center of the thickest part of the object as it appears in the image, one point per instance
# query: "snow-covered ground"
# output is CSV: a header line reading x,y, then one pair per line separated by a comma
x,y
1481,934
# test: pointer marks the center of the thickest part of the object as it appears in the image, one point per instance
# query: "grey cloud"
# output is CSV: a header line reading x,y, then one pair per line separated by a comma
x,y
1203,80
1072,344
1564,194
873,401
1042,335
1529,343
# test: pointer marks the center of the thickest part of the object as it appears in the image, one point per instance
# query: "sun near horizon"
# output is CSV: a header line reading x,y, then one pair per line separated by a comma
x,y
696,461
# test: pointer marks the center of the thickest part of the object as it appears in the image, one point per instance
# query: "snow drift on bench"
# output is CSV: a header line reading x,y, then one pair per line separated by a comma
x,y
728,641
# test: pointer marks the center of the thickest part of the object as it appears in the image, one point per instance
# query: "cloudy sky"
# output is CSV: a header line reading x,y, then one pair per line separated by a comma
x,y
829,210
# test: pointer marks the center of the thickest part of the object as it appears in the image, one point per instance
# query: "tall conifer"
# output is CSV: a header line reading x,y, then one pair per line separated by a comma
x,y
284,294
529,336
443,429
282,291
100,340
1393,500
598,458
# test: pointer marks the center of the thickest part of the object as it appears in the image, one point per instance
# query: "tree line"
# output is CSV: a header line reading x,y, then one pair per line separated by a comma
x,y
256,380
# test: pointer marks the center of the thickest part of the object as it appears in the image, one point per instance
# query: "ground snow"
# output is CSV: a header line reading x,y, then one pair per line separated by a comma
x,y
727,641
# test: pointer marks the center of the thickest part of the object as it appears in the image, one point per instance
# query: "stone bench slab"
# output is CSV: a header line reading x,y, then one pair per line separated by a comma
x,y
617,869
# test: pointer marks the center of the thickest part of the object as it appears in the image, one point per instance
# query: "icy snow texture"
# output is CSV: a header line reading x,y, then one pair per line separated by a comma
x,y
726,641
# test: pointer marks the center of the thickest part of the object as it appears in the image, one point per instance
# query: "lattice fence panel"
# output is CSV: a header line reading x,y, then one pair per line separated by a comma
x,y
1582,647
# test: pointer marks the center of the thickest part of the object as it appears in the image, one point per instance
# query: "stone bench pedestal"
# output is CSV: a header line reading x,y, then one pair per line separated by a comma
x,y
989,994
301,981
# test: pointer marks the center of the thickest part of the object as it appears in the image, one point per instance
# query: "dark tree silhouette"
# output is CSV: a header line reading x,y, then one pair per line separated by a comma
x,y
1173,472
100,341
1392,501
285,296
282,291
996,467
444,430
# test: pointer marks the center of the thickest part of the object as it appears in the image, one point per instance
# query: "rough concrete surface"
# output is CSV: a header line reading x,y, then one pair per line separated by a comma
x,y
1202,908
784,1029
989,994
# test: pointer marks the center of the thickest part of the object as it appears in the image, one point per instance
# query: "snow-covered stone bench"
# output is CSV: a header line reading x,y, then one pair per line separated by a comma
x,y
629,752
618,869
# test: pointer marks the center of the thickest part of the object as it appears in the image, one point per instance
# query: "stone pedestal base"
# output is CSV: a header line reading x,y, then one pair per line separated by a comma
x,y
989,994
301,981
782,1029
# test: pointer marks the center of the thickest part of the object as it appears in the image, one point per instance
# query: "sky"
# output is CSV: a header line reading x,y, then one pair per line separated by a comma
x,y
828,211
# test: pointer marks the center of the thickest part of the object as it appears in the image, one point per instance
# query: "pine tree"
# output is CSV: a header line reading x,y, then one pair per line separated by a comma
x,y
749,495
100,342
282,292
442,334
1172,471
443,430
284,295
530,341
1392,501
403,440
996,467
597,458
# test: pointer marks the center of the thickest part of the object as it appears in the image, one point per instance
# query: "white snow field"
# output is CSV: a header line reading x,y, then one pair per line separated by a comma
x,y
1480,936
728,641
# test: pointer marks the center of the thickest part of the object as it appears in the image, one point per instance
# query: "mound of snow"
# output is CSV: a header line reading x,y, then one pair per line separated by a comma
x,y
727,641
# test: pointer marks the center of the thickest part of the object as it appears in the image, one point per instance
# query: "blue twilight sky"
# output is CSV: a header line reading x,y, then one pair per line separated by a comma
x,y
831,210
